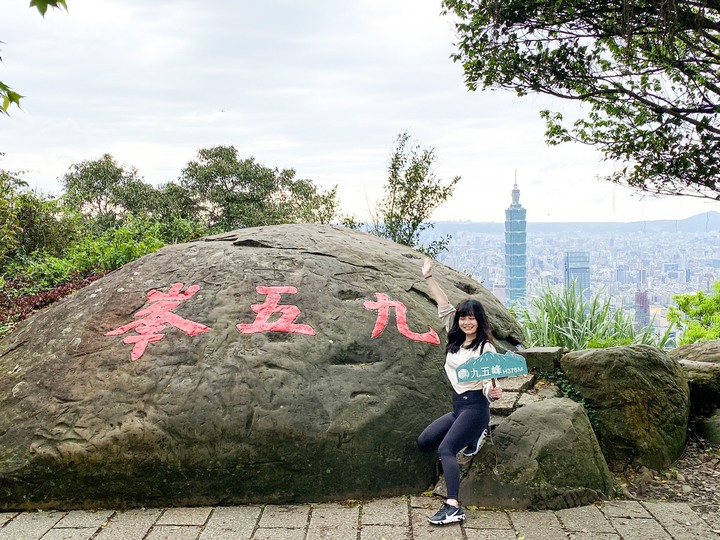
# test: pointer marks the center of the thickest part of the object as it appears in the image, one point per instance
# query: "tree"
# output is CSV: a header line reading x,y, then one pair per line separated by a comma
x,y
412,193
10,230
7,95
32,222
234,193
105,191
698,314
644,70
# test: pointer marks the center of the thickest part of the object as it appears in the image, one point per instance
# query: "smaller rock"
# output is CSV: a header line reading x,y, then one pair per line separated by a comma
x,y
505,405
545,456
517,384
709,427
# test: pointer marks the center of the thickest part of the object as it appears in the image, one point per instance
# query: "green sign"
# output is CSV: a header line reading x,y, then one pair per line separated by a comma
x,y
491,365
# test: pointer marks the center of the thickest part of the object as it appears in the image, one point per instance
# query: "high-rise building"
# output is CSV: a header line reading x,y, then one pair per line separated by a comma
x,y
515,250
642,309
577,271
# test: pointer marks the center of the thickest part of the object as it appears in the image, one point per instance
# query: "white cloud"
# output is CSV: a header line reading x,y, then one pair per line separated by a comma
x,y
323,87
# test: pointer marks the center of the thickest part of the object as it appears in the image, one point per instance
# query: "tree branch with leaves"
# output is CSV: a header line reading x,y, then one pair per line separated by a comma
x,y
7,95
645,71
412,193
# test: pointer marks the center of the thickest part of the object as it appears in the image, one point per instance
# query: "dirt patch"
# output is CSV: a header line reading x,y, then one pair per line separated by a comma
x,y
693,479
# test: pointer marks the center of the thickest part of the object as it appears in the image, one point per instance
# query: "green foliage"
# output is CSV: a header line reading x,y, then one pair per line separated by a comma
x,y
644,70
173,201
231,193
46,225
48,247
42,5
109,251
10,230
566,319
31,221
103,189
7,95
559,378
177,230
412,193
698,315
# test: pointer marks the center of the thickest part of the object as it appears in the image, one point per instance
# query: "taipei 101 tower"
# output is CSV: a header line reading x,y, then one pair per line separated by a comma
x,y
515,250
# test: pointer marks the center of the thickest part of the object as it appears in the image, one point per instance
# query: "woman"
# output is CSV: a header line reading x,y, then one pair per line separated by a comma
x,y
469,335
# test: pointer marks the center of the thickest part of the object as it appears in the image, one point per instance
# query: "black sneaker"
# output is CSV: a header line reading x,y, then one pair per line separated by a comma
x,y
475,445
448,514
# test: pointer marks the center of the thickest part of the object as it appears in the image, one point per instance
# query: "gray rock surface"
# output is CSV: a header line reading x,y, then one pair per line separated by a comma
x,y
701,363
704,381
543,456
700,351
543,359
641,402
709,427
273,364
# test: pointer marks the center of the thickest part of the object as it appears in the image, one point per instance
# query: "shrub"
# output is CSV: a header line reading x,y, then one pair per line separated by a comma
x,y
698,314
566,319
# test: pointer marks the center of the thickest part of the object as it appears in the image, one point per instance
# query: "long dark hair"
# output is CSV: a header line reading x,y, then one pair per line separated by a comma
x,y
456,337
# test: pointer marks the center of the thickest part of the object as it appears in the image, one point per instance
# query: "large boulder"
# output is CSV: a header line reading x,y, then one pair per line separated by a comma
x,y
701,364
640,402
273,364
543,456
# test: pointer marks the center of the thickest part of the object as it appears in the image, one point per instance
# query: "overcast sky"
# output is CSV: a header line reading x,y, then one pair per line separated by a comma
x,y
320,86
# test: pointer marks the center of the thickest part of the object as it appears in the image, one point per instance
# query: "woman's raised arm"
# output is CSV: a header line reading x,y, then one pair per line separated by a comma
x,y
438,294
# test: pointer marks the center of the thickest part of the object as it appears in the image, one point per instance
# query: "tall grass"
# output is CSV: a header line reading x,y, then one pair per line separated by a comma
x,y
564,318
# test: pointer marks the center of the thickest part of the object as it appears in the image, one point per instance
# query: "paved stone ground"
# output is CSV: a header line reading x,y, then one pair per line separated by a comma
x,y
402,518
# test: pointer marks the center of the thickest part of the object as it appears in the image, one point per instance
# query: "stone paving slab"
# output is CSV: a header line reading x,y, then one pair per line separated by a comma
x,y
680,521
287,516
385,512
231,522
334,522
585,519
487,534
84,518
487,519
130,525
594,536
543,525
398,518
30,525
185,516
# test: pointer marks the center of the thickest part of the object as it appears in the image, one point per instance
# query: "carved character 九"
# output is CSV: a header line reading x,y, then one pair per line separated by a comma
x,y
383,305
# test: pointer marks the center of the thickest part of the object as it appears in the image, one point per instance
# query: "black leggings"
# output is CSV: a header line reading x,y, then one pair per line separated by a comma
x,y
454,431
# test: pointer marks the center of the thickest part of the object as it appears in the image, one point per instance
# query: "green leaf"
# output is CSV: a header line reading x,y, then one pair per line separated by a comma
x,y
42,5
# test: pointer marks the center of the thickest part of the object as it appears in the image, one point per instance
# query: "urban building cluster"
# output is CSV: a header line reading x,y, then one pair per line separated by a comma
x,y
639,266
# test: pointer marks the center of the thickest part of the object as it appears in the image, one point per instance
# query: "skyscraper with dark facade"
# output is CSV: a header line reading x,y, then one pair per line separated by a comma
x,y
515,250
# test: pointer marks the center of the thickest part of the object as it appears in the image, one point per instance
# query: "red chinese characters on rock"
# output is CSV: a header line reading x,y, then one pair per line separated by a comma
x,y
288,314
383,306
156,316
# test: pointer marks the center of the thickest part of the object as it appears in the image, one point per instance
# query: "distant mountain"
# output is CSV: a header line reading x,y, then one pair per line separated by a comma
x,y
706,222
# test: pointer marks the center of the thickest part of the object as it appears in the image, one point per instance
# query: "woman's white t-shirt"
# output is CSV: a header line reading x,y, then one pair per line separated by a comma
x,y
454,360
